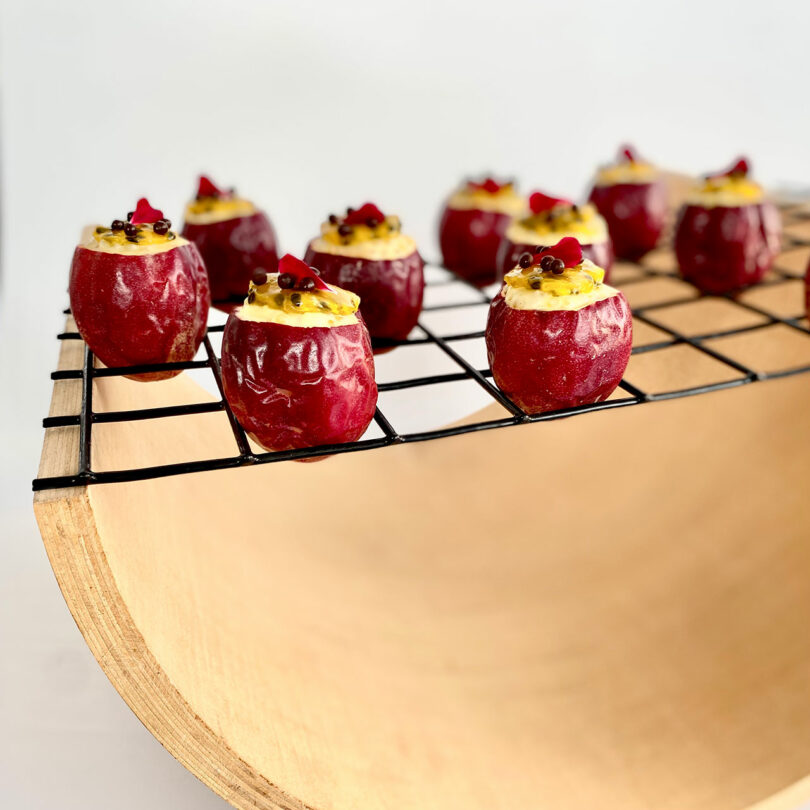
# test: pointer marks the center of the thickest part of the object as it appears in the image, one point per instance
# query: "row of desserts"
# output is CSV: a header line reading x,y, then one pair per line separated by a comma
x,y
726,237
297,362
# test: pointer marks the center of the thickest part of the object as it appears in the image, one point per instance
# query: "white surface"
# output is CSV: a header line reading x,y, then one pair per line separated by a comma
x,y
306,107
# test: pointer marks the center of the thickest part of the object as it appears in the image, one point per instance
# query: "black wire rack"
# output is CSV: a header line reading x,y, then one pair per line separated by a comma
x,y
656,295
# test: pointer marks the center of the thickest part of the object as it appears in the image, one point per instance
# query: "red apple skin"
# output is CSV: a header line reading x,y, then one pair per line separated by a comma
x,y
140,310
635,213
233,250
469,241
723,249
600,253
390,290
544,361
292,387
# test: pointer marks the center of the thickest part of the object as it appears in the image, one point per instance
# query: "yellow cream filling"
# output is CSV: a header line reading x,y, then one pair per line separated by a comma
x,y
542,291
548,227
504,201
268,303
206,210
392,246
104,240
632,172
726,192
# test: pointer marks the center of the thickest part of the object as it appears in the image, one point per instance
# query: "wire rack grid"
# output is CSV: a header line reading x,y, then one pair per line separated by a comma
x,y
675,328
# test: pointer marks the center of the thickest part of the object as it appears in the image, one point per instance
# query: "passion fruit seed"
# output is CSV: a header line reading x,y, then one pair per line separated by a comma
x,y
130,214
117,225
534,283
286,281
546,261
259,278
557,266
306,284
296,299
161,227
349,211
345,230
251,297
525,260
333,220
372,222
130,230
539,248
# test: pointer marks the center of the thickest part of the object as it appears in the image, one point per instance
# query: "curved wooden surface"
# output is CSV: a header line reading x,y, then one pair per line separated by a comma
x,y
528,617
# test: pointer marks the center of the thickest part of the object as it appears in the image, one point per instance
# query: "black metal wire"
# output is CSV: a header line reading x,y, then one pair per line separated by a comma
x,y
244,455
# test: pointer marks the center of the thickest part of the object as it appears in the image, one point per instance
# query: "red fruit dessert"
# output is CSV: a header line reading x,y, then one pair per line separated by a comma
x,y
473,223
235,240
551,220
728,234
297,366
366,252
557,336
632,197
139,293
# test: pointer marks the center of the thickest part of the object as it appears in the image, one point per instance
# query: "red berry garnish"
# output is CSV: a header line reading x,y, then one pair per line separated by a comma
x,y
488,184
297,270
358,216
628,154
144,214
740,169
539,202
567,250
206,188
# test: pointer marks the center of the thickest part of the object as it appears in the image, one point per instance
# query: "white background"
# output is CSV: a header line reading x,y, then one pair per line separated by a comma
x,y
307,107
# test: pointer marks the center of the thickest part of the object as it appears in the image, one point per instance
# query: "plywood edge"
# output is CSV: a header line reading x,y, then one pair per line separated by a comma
x,y
71,539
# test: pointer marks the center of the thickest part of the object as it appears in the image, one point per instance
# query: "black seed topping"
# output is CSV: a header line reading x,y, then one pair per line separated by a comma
x,y
130,215
333,220
168,223
534,283
557,266
296,299
286,281
345,230
539,248
546,262
525,260
117,225
130,229
372,222
161,227
171,236
306,284
259,278
349,211
251,297
132,239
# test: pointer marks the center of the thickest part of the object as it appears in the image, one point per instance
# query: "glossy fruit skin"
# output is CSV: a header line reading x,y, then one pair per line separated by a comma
x,y
469,241
600,253
544,361
722,249
292,386
139,310
233,250
390,290
635,213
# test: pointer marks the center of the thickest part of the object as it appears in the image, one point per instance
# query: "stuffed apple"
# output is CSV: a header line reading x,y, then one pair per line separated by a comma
x,y
139,293
297,366
551,220
728,234
556,335
473,223
234,237
366,252
632,197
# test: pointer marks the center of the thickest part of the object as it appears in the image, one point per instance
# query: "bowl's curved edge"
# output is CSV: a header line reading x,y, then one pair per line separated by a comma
x,y
69,532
